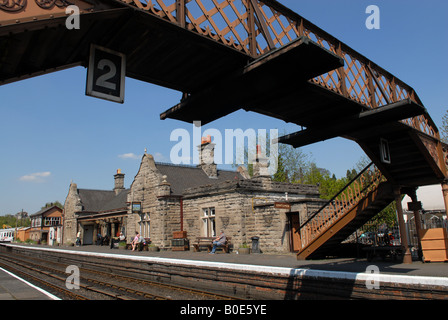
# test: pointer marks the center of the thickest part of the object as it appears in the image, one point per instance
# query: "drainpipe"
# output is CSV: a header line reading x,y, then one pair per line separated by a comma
x,y
181,213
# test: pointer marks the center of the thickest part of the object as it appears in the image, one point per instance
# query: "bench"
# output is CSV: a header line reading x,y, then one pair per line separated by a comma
x,y
207,242
140,246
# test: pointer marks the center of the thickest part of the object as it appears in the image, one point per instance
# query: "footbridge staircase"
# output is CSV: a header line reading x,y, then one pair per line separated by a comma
x,y
365,196
256,55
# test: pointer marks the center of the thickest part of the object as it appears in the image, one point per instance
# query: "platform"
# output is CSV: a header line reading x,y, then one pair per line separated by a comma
x,y
13,287
263,276
288,260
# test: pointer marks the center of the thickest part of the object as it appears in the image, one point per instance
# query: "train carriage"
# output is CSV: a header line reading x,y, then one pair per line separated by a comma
x,y
7,235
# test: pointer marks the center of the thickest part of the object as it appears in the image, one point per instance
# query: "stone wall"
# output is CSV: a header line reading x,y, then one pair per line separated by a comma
x,y
153,191
72,204
242,208
143,189
229,208
245,209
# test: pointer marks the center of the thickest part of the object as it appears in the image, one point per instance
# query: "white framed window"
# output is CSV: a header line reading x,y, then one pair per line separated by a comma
x,y
52,221
208,222
145,224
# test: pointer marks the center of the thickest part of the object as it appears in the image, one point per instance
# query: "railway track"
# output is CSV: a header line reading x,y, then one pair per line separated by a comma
x,y
99,285
31,276
55,280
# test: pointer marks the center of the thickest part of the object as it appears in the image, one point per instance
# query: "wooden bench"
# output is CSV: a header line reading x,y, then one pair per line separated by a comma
x,y
207,242
140,246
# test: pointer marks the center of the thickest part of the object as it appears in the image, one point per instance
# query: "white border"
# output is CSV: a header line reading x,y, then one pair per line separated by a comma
x,y
48,294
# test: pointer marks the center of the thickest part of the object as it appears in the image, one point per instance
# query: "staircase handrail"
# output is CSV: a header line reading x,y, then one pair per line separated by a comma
x,y
339,206
337,194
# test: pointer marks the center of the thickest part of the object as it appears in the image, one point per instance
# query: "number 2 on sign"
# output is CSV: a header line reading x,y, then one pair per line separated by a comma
x,y
102,81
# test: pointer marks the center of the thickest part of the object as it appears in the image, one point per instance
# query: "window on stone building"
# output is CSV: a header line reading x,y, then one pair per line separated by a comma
x,y
52,221
145,225
208,221
36,222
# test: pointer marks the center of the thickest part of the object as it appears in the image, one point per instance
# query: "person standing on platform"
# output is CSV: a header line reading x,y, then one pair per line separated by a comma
x,y
78,239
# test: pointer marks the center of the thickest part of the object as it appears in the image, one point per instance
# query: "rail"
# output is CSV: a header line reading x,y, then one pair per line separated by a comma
x,y
125,284
345,200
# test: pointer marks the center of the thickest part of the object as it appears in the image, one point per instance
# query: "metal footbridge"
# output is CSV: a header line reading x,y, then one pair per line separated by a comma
x,y
257,55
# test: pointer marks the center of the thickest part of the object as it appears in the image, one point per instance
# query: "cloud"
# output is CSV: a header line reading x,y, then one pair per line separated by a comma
x,y
35,177
129,156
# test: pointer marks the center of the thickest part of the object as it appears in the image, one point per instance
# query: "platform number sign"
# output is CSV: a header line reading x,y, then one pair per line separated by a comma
x,y
106,74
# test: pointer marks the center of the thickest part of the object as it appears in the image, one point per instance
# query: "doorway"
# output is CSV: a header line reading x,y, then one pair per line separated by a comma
x,y
294,222
88,234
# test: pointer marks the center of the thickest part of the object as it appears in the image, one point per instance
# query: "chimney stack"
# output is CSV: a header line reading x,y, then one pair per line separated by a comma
x,y
207,157
261,165
119,182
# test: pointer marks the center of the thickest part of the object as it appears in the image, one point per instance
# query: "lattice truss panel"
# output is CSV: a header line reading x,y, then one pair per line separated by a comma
x,y
224,21
229,22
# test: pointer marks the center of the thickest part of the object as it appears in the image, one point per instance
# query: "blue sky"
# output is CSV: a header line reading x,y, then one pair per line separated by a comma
x,y
51,133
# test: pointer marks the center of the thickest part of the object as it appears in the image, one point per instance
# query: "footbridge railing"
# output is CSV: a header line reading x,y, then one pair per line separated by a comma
x,y
256,27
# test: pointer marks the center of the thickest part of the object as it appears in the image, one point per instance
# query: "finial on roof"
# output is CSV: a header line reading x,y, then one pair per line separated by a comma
x,y
145,150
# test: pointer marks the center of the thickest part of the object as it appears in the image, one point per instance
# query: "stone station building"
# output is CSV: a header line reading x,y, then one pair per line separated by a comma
x,y
201,200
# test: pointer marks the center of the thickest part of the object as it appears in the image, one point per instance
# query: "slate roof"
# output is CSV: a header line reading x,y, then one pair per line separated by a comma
x,y
102,200
42,211
179,176
182,177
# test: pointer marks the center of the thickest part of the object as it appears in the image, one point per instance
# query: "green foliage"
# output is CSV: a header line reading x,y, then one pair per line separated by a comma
x,y
244,245
10,220
387,216
444,128
297,167
281,175
50,204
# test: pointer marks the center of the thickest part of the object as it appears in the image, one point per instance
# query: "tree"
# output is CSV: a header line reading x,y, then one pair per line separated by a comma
x,y
281,175
444,128
51,204
295,166
294,163
351,174
11,220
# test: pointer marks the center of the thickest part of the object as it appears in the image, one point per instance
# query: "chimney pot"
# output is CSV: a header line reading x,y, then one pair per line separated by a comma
x,y
119,182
